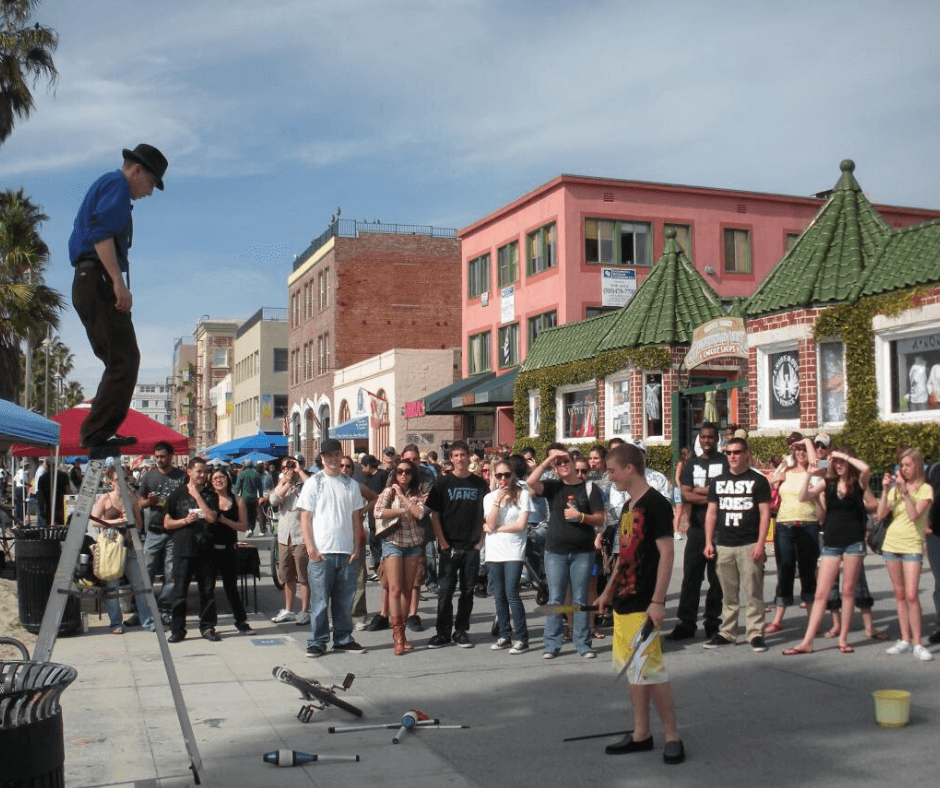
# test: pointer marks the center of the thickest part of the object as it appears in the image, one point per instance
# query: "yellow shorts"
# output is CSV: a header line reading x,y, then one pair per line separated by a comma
x,y
648,667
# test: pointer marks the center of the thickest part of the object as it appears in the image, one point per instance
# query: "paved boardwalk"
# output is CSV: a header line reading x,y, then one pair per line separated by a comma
x,y
747,719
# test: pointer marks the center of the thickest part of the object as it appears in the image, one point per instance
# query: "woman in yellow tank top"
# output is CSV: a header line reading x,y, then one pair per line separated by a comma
x,y
796,533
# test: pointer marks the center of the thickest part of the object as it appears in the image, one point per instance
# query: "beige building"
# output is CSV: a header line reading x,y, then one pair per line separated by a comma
x,y
256,400
369,398
215,340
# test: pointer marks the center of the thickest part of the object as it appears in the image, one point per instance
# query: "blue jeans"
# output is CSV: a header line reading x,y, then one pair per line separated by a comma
x,y
504,586
562,569
158,550
332,581
796,547
933,553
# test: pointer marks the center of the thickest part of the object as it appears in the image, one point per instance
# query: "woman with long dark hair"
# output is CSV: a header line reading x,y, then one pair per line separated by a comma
x,y
840,499
402,543
232,519
506,515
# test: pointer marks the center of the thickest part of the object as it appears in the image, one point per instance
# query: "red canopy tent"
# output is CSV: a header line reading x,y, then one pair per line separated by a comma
x,y
147,431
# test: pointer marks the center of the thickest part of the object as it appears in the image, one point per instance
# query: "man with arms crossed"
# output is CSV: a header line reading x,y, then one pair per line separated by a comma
x,y
331,521
637,591
292,557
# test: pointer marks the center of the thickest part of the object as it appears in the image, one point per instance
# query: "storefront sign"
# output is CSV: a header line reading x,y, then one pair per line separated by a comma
x,y
784,376
618,286
721,337
414,410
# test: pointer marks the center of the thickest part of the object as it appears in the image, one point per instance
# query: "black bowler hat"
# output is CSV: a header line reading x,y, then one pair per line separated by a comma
x,y
149,158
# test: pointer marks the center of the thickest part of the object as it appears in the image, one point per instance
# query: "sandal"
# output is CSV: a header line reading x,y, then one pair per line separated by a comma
x,y
846,649
792,652
597,635
771,628
877,634
117,631
832,633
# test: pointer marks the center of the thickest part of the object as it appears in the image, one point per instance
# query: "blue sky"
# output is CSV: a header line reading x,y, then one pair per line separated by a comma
x,y
274,113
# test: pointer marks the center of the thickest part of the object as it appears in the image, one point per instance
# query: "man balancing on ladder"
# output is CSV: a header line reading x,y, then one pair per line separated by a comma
x,y
98,249
637,592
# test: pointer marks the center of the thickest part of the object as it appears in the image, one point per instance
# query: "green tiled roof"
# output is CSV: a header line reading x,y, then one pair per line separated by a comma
x,y
668,306
570,342
832,255
911,257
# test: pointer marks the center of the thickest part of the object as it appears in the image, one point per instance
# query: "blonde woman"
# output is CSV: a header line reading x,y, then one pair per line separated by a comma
x,y
907,496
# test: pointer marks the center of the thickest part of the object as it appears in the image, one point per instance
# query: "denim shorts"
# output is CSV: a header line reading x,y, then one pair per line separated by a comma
x,y
854,549
913,558
390,550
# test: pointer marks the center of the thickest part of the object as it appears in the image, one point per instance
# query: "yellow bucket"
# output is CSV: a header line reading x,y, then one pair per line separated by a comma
x,y
892,708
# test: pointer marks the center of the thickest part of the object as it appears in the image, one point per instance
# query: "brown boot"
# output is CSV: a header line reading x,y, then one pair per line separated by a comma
x,y
398,635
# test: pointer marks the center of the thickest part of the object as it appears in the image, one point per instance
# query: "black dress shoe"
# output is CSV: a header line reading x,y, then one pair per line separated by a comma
x,y
211,634
674,752
133,621
115,441
176,637
626,745
681,632
243,627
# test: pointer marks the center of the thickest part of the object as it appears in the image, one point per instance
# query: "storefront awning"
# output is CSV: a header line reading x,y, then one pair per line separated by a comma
x,y
439,402
492,393
354,429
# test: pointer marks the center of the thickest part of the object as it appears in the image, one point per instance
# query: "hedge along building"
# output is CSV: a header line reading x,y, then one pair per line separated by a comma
x,y
844,334
613,375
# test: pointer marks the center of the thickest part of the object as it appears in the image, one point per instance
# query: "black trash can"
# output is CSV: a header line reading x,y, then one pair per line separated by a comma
x,y
37,558
32,747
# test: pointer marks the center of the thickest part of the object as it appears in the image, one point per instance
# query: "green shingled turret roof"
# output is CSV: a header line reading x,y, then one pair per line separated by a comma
x,y
830,258
911,257
668,306
672,301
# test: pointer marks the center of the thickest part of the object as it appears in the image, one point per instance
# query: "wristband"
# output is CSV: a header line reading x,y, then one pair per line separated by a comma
x,y
582,519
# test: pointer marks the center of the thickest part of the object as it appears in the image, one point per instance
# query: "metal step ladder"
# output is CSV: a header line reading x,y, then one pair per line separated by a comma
x,y
136,572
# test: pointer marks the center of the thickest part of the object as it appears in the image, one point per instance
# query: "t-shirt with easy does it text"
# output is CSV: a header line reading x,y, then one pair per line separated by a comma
x,y
738,497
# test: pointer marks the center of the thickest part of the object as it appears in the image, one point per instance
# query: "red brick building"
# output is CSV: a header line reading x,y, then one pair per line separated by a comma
x,y
359,290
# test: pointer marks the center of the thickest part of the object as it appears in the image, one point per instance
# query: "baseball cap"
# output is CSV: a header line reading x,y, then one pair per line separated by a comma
x,y
824,439
330,445
640,445
389,451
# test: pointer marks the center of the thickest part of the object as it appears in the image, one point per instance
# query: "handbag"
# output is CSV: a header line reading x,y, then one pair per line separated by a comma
x,y
109,554
876,535
384,525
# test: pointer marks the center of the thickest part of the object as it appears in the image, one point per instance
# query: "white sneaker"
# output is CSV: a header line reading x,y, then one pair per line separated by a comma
x,y
249,533
303,618
284,615
922,654
901,647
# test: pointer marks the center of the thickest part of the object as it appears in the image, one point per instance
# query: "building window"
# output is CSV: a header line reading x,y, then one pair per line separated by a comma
x,y
614,242
535,412
594,311
323,281
507,263
323,353
540,250
577,410
478,353
832,382
280,359
220,357
295,368
915,373
539,323
280,406
653,404
478,276
792,238
783,385
683,236
618,406
308,301
509,345
737,252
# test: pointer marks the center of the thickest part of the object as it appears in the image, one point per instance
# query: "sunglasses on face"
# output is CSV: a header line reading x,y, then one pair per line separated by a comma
x,y
583,471
566,461
345,466
403,471
734,452
503,475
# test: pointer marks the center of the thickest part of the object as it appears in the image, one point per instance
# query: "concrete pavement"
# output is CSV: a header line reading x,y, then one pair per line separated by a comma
x,y
746,719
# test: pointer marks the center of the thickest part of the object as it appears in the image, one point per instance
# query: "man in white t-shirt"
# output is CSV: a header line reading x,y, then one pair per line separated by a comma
x,y
331,521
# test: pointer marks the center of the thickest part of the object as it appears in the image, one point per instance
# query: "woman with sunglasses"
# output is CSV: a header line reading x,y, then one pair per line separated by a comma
x,y
796,532
232,519
402,543
842,500
907,496
506,514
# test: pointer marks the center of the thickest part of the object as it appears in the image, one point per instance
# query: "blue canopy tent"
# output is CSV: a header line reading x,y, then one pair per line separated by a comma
x,y
18,425
269,443
256,457
354,429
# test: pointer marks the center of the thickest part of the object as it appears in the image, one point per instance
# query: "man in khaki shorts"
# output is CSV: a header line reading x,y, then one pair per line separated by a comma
x,y
293,554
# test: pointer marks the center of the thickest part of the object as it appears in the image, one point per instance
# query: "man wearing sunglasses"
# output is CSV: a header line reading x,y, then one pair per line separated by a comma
x,y
574,515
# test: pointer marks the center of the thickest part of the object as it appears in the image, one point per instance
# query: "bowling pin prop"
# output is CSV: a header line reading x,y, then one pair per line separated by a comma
x,y
295,758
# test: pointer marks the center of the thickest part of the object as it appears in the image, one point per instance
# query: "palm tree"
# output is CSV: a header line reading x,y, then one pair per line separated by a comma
x,y
27,305
25,57
72,395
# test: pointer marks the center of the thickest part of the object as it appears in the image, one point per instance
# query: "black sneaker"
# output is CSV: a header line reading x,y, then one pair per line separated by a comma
x,y
351,647
758,644
414,623
462,639
176,637
934,638
681,632
438,641
133,621
377,622
211,634
717,640
316,650
244,628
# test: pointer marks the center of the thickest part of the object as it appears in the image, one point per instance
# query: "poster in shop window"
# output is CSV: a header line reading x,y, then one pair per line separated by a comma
x,y
916,378
784,377
580,414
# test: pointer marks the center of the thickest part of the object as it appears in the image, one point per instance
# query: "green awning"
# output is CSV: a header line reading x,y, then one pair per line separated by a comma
x,y
496,392
439,402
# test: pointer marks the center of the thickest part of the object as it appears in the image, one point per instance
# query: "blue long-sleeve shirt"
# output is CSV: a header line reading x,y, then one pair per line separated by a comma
x,y
105,213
